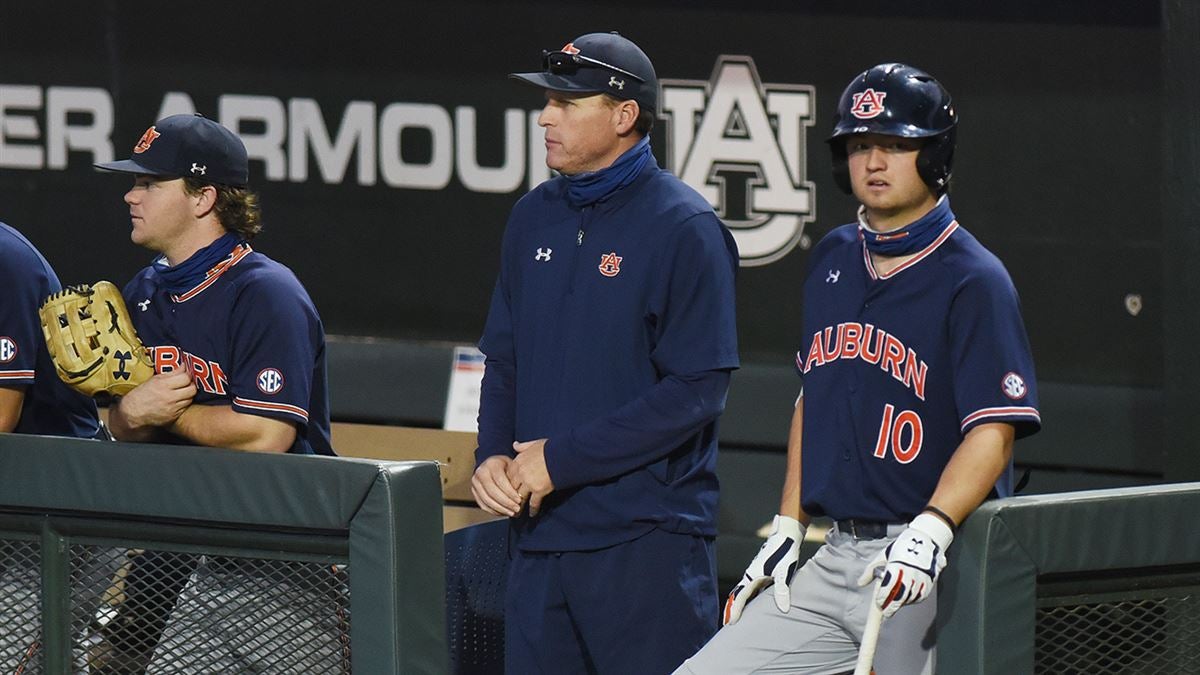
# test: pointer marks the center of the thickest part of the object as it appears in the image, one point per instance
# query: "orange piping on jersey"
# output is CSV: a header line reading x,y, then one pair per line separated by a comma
x,y
983,413
240,251
15,374
912,261
273,407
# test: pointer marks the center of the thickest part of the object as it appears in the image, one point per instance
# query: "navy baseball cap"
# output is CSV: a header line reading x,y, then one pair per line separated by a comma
x,y
188,146
599,63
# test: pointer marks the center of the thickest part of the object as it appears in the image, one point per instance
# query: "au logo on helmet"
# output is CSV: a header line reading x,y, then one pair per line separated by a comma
x,y
867,104
146,141
741,144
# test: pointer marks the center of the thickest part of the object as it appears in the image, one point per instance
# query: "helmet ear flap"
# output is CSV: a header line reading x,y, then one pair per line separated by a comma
x,y
935,162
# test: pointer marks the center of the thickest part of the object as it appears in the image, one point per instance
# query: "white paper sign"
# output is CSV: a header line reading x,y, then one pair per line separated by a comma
x,y
462,400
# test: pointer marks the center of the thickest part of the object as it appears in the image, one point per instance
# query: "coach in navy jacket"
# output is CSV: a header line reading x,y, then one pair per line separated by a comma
x,y
609,343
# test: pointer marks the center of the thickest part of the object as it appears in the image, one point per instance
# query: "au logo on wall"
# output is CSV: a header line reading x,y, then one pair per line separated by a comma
x,y
741,144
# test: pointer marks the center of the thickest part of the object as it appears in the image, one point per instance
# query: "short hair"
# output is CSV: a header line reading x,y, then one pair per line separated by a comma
x,y
237,208
645,119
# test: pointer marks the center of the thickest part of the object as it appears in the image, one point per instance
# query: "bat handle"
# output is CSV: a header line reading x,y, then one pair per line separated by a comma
x,y
866,652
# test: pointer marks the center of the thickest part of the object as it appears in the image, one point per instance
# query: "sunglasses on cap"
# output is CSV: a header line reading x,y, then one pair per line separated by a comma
x,y
565,63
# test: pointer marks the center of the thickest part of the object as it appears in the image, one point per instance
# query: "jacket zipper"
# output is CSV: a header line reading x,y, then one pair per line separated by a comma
x,y
575,271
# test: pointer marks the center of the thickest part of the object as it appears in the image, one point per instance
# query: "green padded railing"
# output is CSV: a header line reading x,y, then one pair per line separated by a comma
x,y
1083,582
234,543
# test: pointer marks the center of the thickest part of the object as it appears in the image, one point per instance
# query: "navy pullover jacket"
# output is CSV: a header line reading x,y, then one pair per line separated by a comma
x,y
612,333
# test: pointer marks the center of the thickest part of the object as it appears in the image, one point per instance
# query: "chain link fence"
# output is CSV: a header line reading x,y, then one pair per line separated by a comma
x,y
165,612
130,558
1135,624
20,603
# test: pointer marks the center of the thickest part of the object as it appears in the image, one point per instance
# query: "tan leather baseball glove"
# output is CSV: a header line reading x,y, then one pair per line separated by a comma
x,y
92,341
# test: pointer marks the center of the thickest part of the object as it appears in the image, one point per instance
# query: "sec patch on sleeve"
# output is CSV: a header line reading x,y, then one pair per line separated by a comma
x,y
1013,386
8,349
270,381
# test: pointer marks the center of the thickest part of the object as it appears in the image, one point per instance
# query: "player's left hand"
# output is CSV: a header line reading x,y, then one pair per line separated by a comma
x,y
528,473
910,564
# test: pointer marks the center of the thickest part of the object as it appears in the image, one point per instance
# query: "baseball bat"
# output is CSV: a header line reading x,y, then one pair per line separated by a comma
x,y
866,651
29,655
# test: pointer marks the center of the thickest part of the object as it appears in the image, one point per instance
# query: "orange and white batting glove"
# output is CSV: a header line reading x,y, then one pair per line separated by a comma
x,y
775,564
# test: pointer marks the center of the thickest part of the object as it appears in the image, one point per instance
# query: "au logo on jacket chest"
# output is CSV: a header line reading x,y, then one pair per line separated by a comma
x,y
741,144
610,264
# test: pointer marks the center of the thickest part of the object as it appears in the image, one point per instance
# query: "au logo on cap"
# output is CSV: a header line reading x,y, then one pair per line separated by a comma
x,y
146,140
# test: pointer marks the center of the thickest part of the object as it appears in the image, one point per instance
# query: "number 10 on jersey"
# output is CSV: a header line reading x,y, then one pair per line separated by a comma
x,y
892,435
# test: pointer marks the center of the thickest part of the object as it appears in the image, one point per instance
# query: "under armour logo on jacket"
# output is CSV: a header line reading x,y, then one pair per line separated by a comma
x,y
144,304
543,254
833,276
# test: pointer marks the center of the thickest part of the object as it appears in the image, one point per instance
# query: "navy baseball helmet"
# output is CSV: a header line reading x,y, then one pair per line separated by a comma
x,y
599,63
187,146
898,100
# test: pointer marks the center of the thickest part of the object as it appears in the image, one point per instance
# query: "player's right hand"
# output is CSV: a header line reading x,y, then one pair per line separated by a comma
x,y
775,563
159,401
492,489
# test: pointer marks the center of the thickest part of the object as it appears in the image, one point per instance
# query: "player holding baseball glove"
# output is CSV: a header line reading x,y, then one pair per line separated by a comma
x,y
917,378
234,358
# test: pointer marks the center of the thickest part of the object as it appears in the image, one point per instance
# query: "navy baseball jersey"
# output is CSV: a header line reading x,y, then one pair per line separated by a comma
x,y
50,407
603,322
250,336
898,368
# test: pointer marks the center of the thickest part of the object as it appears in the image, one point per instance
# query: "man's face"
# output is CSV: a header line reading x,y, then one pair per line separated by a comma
x,y
883,175
581,132
160,210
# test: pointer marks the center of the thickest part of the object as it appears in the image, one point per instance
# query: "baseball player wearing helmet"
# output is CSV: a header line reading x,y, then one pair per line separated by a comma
x,y
609,344
917,378
239,356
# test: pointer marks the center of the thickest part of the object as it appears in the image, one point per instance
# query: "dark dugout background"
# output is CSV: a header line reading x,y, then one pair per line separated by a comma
x,y
1058,171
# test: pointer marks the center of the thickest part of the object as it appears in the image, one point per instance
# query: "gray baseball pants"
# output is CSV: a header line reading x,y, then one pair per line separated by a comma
x,y
821,632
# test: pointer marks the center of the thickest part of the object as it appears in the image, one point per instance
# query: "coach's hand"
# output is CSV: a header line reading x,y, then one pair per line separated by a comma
x,y
910,564
529,475
492,490
775,563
